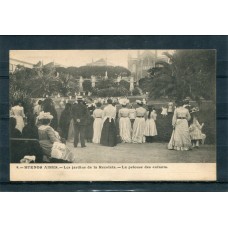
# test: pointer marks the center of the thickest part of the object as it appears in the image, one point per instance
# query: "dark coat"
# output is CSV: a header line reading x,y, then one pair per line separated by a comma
x,y
80,111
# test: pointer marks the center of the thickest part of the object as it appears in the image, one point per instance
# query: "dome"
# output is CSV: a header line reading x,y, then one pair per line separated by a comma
x,y
147,54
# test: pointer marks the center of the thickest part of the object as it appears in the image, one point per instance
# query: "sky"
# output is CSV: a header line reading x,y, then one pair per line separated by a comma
x,y
76,57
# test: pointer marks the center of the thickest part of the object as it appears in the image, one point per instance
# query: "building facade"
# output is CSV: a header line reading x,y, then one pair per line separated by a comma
x,y
140,64
13,63
100,62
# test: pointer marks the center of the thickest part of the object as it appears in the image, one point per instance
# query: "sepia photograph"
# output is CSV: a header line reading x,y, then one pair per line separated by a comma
x,y
115,115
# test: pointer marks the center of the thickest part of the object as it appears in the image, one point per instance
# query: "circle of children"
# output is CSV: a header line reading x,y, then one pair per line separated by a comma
x,y
105,121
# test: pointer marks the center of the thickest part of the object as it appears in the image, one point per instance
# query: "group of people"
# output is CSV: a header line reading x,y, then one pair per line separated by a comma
x,y
103,124
187,132
106,124
41,124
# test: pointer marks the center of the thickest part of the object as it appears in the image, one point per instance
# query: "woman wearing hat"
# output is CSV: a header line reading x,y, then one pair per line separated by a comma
x,y
109,133
50,141
139,124
97,124
180,139
124,122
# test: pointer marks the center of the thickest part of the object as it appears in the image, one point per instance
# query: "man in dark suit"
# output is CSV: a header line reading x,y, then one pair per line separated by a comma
x,y
80,116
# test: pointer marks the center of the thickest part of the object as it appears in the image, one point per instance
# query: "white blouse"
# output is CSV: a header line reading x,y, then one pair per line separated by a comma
x,y
124,112
109,111
98,113
140,112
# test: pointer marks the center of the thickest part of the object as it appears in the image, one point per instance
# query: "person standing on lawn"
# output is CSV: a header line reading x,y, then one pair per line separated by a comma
x,y
80,117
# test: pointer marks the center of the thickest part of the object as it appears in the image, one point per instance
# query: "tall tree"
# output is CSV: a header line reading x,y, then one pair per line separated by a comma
x,y
187,73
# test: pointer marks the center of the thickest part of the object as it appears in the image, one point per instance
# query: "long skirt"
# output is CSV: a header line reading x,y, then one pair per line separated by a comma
x,y
89,130
20,123
97,127
125,129
108,133
150,129
60,151
139,130
70,137
180,139
196,134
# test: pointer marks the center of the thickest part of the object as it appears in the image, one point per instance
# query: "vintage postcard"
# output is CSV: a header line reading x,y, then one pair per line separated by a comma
x,y
112,115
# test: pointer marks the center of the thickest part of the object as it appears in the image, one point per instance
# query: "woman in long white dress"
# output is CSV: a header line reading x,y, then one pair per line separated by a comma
x,y
150,129
180,139
18,113
97,124
139,124
124,123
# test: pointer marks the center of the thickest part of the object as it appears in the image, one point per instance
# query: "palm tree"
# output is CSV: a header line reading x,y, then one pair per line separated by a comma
x,y
44,83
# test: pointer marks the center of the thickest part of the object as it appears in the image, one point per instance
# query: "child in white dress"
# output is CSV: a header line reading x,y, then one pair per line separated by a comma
x,y
164,112
150,129
195,131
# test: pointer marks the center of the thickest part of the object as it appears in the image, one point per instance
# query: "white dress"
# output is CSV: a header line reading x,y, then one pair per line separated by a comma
x,y
97,125
180,139
18,114
125,125
139,126
150,129
132,113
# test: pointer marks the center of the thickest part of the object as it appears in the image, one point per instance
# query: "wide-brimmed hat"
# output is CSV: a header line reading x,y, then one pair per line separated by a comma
x,y
123,101
45,116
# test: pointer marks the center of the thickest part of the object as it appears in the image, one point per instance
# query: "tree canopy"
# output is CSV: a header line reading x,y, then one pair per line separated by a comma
x,y
41,81
187,73
87,71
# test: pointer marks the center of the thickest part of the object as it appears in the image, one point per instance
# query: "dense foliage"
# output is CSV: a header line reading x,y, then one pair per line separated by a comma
x,y
42,81
188,73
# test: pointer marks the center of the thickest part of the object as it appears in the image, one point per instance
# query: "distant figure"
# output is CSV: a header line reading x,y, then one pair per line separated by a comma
x,y
18,113
61,103
48,106
98,122
14,132
164,112
30,131
170,107
80,116
38,108
187,104
150,129
64,121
